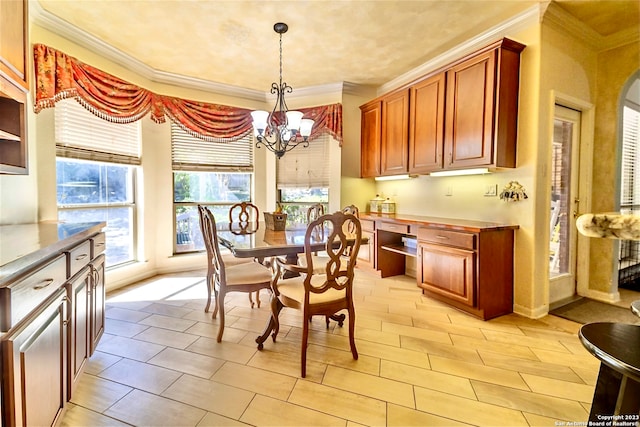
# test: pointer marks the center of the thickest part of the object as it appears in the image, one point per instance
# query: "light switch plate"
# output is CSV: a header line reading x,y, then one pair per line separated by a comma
x,y
491,190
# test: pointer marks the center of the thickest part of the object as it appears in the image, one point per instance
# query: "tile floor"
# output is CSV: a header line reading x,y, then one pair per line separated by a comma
x,y
421,363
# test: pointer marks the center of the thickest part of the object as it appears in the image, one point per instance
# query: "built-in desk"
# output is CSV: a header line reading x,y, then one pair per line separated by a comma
x,y
468,264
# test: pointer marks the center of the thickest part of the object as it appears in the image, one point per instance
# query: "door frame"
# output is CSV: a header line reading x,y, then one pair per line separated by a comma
x,y
585,178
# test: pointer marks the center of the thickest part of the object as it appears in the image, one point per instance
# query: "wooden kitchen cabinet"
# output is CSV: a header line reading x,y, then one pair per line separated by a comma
x,y
394,142
481,116
366,254
97,314
14,86
80,291
51,315
426,125
370,139
472,271
462,116
34,355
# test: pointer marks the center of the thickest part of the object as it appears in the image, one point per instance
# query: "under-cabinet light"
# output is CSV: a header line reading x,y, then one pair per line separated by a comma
x,y
477,171
393,177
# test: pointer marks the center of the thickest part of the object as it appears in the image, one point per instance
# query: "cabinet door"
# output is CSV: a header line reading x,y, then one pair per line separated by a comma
x,y
470,111
395,133
370,139
366,252
97,302
426,128
80,291
448,271
34,361
13,49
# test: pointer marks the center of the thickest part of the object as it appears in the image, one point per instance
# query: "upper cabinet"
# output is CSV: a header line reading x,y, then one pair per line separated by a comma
x,y
462,116
395,132
14,86
370,136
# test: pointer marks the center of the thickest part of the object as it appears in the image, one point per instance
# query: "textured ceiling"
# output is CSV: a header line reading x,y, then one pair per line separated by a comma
x,y
357,41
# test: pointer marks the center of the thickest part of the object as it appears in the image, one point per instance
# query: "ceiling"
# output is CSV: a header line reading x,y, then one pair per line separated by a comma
x,y
357,41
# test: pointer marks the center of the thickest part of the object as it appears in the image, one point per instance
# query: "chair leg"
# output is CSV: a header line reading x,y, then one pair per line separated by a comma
x,y
276,307
303,349
208,279
352,327
220,306
215,304
258,298
251,300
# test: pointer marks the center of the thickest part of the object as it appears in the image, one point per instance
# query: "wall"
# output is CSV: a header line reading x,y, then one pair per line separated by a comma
x,y
614,68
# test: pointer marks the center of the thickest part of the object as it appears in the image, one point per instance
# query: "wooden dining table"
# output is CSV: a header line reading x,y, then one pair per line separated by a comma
x,y
255,240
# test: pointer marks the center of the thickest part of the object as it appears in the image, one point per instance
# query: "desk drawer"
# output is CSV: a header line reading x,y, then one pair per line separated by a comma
x,y
394,228
98,244
79,257
367,225
447,237
19,298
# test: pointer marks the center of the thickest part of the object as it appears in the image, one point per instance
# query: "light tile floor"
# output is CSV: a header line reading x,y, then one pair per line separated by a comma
x,y
421,363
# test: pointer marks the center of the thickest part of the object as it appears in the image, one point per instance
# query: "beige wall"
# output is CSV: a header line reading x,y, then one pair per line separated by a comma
x,y
614,68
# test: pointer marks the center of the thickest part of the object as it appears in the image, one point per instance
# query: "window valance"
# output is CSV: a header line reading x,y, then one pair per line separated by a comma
x,y
59,76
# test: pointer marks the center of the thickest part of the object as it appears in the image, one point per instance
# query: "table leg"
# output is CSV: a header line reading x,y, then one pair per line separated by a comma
x,y
615,394
271,325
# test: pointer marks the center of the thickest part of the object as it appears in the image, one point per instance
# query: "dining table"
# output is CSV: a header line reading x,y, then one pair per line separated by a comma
x,y
256,240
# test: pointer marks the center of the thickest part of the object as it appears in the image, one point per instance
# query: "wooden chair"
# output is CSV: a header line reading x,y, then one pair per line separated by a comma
x,y
321,294
314,212
244,218
246,277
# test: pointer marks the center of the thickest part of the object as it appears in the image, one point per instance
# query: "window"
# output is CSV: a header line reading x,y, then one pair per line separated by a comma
x,y
216,174
303,178
95,175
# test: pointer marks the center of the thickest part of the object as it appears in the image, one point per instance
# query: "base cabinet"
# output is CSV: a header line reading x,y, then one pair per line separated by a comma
x,y
80,291
34,355
97,302
366,254
472,271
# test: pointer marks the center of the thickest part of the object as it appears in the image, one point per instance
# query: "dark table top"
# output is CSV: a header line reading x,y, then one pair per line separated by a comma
x,y
252,242
616,344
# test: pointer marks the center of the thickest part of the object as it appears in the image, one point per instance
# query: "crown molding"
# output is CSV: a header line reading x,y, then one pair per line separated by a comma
x,y
64,29
515,24
563,21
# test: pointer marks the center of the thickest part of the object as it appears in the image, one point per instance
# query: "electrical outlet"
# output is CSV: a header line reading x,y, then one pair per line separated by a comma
x,y
491,190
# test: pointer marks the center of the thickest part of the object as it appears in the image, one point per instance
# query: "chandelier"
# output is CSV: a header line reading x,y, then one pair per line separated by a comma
x,y
281,130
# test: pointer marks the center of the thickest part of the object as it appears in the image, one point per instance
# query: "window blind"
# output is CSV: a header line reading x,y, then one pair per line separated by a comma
x,y
630,189
305,167
82,135
194,154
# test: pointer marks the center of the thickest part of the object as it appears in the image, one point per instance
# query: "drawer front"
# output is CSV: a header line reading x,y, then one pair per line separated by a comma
x,y
367,225
25,295
98,244
394,228
79,257
447,237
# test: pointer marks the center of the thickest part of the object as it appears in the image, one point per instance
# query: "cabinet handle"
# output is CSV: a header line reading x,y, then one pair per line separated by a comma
x,y
100,244
81,256
442,237
43,284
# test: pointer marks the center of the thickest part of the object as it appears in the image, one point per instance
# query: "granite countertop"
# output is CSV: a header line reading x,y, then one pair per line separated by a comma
x,y
610,225
22,245
452,223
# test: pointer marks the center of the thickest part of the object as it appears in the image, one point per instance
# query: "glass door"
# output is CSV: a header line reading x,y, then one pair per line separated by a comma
x,y
565,169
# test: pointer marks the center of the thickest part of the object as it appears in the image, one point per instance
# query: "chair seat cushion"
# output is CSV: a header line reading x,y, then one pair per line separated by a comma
x,y
247,273
320,263
293,289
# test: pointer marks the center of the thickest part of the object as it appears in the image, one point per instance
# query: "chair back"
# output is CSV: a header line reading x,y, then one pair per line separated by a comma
x,y
353,210
314,212
342,246
215,262
244,212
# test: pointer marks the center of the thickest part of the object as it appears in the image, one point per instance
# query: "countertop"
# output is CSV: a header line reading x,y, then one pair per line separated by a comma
x,y
23,245
429,221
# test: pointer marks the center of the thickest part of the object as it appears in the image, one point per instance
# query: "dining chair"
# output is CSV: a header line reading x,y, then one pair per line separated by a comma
x,y
222,279
244,218
321,294
314,212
